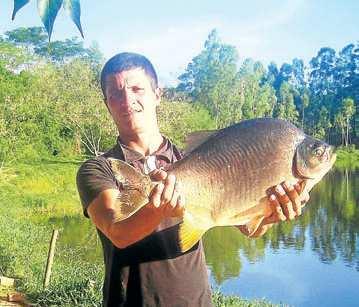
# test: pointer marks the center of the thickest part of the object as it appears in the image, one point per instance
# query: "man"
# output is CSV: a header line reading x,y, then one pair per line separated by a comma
x,y
143,263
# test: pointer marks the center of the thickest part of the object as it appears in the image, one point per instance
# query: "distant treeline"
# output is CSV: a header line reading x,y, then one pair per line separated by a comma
x,y
51,102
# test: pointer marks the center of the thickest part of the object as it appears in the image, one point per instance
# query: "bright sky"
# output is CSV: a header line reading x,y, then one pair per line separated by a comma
x,y
171,33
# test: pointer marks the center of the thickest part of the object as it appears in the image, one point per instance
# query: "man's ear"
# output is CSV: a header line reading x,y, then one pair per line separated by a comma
x,y
158,93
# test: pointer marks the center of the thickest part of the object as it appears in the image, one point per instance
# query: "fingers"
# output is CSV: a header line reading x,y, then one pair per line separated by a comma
x,y
158,175
166,195
277,214
285,202
294,198
155,197
291,199
169,189
304,195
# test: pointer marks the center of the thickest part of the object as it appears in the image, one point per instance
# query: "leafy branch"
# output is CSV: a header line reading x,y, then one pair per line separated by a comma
x,y
48,10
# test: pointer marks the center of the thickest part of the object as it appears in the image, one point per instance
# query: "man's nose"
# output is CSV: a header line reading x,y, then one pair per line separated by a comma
x,y
128,96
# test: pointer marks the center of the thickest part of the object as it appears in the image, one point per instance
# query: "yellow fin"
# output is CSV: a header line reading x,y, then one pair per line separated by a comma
x,y
253,224
189,234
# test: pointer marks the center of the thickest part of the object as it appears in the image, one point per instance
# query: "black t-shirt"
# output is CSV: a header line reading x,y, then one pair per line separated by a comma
x,y
153,271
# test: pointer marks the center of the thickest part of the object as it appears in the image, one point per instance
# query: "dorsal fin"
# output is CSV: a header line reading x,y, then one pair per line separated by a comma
x,y
197,138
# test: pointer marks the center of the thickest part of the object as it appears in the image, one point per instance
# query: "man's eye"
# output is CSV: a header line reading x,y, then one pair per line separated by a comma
x,y
138,89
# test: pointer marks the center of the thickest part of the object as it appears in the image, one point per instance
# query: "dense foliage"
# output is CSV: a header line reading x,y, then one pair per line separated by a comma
x,y
321,97
51,102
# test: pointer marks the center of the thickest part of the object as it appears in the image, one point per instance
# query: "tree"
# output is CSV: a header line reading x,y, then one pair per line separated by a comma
x,y
285,107
322,73
297,79
27,37
272,75
304,104
348,111
70,93
60,51
178,119
347,72
34,41
323,124
258,96
211,79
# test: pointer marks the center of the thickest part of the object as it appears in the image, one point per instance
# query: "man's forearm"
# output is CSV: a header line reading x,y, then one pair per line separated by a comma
x,y
136,227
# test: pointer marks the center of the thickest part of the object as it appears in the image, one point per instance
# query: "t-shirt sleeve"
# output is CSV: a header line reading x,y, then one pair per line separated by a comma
x,y
93,177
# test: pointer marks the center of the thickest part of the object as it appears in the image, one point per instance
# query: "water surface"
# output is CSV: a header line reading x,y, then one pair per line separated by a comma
x,y
313,261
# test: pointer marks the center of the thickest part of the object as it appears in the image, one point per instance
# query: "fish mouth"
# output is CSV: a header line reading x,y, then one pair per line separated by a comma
x,y
330,154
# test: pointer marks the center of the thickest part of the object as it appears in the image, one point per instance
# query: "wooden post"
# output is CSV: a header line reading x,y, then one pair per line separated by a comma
x,y
50,257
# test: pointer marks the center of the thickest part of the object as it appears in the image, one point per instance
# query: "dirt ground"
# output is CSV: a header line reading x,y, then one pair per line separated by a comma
x,y
3,297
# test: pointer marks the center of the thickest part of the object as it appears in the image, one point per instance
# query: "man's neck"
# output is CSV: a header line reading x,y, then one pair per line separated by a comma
x,y
144,143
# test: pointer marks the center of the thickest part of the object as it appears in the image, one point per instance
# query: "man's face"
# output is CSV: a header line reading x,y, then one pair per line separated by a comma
x,y
131,100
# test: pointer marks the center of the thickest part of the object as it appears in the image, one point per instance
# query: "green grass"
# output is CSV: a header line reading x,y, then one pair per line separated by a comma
x,y
221,300
33,195
35,198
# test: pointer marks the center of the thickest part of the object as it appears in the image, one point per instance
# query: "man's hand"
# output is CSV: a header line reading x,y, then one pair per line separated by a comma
x,y
165,201
286,203
165,196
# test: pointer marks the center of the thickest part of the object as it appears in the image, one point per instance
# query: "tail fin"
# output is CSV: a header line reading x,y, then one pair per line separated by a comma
x,y
134,188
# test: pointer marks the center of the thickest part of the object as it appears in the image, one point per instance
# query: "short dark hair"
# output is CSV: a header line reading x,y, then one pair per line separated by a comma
x,y
127,61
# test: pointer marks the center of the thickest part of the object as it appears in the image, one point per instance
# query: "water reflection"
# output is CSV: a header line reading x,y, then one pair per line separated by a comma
x,y
329,225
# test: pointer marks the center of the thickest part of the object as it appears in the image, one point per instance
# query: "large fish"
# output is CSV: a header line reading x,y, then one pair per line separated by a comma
x,y
225,179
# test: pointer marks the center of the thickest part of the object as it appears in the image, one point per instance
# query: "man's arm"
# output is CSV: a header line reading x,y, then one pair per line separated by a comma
x,y
164,201
286,203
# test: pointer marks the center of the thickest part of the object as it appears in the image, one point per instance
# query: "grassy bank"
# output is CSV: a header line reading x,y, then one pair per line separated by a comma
x,y
347,158
220,300
36,198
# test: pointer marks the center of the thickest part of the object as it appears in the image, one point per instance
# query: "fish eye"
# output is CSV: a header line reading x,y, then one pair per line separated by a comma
x,y
318,151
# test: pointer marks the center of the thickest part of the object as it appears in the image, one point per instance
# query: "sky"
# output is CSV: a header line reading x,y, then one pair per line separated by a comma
x,y
171,33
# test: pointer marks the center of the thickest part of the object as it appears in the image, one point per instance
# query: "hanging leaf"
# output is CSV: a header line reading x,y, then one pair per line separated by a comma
x,y
18,4
72,7
48,10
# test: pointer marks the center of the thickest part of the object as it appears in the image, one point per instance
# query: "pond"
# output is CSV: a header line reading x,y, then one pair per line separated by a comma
x,y
313,261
